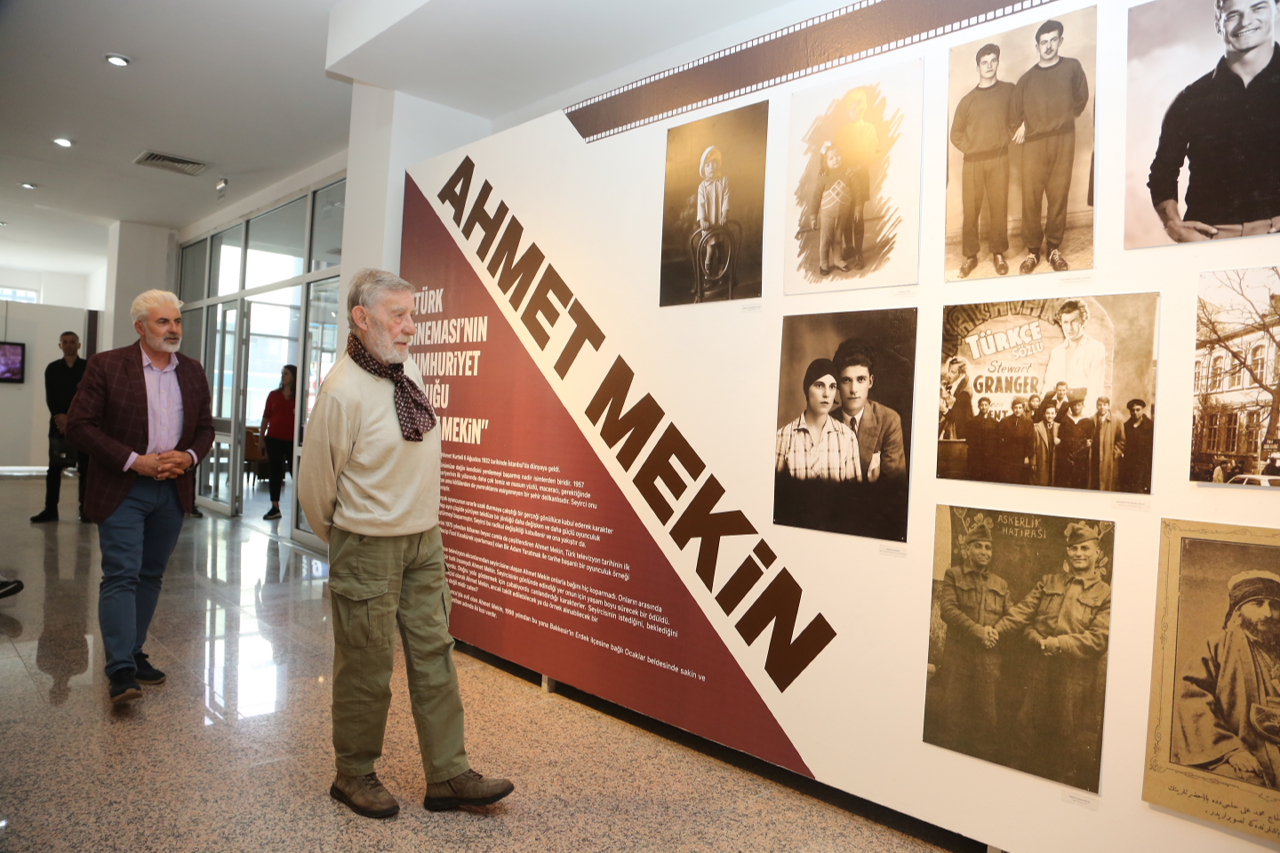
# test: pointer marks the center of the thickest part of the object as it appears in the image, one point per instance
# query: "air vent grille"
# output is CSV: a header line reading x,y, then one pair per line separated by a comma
x,y
156,160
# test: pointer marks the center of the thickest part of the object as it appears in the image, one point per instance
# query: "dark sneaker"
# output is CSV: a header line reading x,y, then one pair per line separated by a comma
x,y
146,673
124,688
195,513
45,515
364,795
272,514
8,587
970,264
1002,266
465,789
1056,260
858,261
1029,263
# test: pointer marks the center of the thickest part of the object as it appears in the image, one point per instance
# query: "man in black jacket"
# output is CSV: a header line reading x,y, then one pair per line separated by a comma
x,y
61,378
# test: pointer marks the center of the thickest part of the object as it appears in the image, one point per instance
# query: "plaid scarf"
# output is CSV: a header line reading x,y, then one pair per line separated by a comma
x,y
417,418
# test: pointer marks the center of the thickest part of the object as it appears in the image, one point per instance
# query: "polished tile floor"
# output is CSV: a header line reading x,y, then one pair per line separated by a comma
x,y
233,753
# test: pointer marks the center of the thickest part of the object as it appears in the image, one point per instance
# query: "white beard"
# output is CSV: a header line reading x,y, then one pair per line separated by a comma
x,y
380,344
159,343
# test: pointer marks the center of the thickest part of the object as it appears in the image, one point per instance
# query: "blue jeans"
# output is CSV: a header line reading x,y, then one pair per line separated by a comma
x,y
136,541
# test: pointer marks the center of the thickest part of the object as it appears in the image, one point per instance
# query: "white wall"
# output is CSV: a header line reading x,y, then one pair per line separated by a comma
x,y
95,290
24,426
390,131
55,288
139,258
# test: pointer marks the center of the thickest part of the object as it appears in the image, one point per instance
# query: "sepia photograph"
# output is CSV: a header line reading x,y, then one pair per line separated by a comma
x,y
1235,426
1213,742
1202,103
1019,628
713,208
854,180
1020,151
1050,392
842,449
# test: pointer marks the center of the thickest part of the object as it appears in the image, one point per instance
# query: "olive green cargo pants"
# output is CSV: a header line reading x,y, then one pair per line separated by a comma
x,y
376,584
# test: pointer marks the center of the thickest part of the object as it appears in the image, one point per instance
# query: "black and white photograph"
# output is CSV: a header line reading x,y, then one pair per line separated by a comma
x,y
1055,392
713,208
1019,629
1204,102
854,182
842,450
1020,153
1213,742
1235,427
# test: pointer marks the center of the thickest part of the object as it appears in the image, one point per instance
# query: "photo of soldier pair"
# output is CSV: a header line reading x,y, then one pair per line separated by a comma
x,y
1213,744
1050,392
1021,150
842,447
1018,638
713,208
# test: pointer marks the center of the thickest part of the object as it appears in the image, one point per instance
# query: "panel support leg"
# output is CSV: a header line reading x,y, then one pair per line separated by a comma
x,y
549,686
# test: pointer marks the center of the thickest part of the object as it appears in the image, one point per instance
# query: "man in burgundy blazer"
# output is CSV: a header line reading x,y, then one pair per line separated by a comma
x,y
142,414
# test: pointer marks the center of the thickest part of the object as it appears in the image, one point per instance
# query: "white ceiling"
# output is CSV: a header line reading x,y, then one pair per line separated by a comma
x,y
237,83
491,57
242,84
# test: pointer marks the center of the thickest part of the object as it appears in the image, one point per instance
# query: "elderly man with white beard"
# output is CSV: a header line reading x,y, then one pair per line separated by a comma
x,y
1227,710
369,484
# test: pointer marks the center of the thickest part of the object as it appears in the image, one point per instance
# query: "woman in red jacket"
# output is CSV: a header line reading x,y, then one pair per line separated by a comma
x,y
277,433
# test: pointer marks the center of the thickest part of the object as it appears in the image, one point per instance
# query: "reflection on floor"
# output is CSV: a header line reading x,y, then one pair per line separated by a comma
x,y
233,752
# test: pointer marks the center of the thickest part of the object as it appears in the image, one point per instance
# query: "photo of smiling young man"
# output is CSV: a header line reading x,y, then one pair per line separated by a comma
x,y
1214,125
842,464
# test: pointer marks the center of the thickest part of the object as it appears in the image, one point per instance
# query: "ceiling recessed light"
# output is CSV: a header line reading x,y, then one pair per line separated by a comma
x,y
63,142
3,224
118,59
27,186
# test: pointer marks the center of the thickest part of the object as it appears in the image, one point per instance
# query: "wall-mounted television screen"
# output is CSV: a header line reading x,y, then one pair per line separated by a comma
x,y
13,362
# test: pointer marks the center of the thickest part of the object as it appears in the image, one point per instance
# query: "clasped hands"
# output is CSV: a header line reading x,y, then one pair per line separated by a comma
x,y
163,466
986,634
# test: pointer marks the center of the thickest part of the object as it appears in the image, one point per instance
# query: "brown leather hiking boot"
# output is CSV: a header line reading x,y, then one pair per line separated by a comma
x,y
465,789
364,795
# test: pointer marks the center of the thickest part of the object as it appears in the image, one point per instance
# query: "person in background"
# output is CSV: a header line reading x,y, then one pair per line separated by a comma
x,y
276,437
61,378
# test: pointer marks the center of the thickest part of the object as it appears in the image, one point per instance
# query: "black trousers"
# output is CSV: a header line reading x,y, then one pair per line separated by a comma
x,y
279,452
53,479
1046,179
986,179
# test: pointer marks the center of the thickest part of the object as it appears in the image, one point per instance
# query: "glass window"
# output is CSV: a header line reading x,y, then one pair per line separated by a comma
x,y
276,241
274,321
224,266
220,355
1215,379
194,262
326,226
192,333
322,345
18,294
1257,360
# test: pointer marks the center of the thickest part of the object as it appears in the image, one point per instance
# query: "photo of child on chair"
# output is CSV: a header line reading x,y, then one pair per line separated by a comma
x,y
713,208
854,179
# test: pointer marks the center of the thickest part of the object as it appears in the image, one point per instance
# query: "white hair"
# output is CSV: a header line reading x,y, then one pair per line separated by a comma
x,y
143,304
369,285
